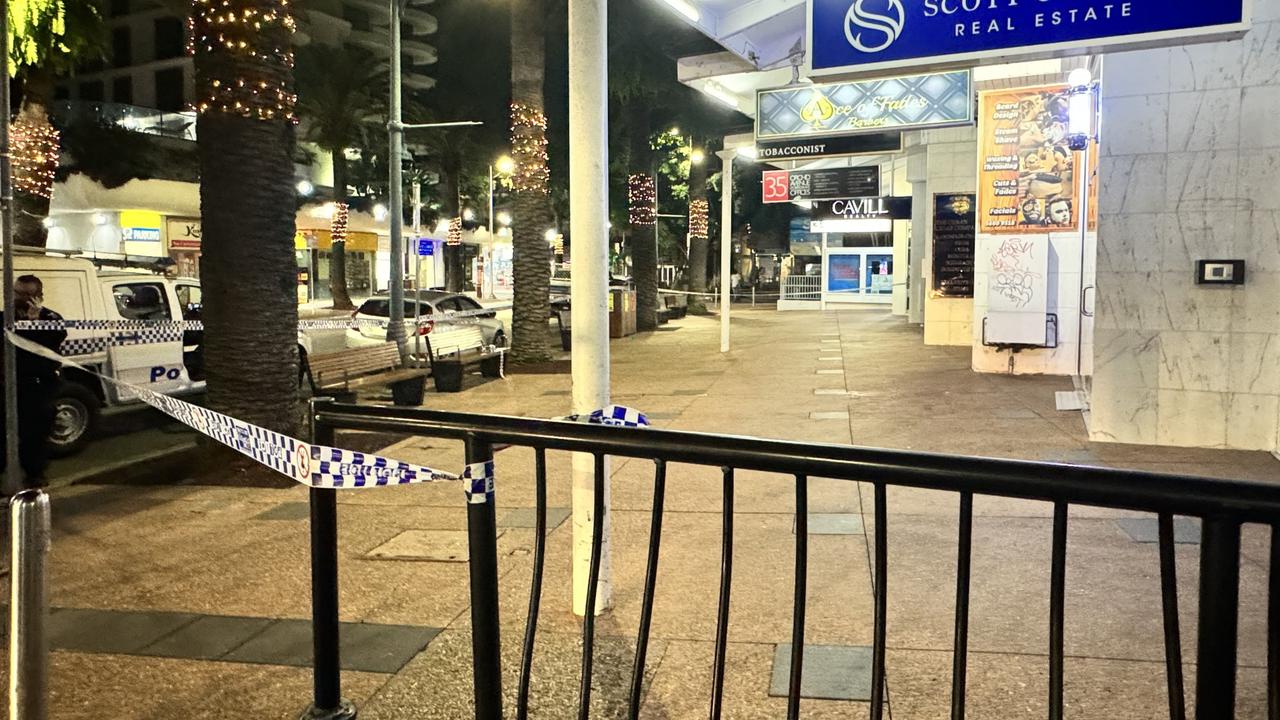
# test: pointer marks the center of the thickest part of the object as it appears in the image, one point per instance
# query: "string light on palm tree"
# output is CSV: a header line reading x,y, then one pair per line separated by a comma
x,y
35,157
255,58
642,198
529,149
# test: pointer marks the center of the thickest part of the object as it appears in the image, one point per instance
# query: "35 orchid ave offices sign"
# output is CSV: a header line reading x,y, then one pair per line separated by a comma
x,y
864,35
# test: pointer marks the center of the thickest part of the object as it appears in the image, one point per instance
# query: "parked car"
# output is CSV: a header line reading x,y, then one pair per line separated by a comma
x,y
436,305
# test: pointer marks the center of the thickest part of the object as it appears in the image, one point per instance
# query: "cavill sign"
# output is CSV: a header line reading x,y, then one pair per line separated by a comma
x,y
855,35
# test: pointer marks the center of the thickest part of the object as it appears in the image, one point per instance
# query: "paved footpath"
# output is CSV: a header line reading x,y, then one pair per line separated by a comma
x,y
184,601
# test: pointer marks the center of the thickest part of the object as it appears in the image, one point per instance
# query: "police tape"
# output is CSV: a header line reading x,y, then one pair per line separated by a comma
x,y
320,466
445,318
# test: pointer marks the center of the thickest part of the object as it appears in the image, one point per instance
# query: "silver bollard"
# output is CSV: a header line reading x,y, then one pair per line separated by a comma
x,y
28,606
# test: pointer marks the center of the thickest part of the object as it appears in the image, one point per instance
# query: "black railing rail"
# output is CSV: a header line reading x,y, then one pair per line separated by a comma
x,y
1223,505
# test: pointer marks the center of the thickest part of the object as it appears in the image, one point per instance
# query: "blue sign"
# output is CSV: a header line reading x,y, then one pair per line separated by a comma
x,y
876,34
426,247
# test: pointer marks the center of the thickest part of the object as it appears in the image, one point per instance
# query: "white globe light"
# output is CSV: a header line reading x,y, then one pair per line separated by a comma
x,y
305,187
551,235
468,214
379,212
1079,77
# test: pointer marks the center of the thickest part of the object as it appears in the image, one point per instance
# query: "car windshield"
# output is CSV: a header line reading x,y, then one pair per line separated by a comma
x,y
381,307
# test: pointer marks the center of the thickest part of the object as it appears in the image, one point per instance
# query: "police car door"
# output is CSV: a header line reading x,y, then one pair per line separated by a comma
x,y
147,349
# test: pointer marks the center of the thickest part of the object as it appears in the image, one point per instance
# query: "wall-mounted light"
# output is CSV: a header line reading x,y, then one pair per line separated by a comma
x,y
305,188
100,219
721,93
686,9
1080,109
47,222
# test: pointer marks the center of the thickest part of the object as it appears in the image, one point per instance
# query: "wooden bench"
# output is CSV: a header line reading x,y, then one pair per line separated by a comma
x,y
454,348
348,371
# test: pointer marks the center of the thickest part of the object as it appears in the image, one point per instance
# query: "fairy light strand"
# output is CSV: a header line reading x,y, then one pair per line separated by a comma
x,y
341,218
641,195
455,232
250,57
35,151
699,212
529,149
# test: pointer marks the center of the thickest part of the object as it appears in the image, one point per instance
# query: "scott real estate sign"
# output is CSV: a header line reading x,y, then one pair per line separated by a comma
x,y
856,35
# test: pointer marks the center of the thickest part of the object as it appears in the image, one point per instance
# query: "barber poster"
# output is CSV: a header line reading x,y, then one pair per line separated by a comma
x,y
1027,181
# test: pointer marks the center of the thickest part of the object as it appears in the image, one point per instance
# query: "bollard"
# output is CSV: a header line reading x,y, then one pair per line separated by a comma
x,y
486,636
29,608
328,703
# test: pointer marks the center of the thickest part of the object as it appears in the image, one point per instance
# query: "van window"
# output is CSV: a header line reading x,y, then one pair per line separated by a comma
x,y
189,301
141,301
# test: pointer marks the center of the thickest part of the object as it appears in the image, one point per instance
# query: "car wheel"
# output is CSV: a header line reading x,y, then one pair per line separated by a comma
x,y
75,416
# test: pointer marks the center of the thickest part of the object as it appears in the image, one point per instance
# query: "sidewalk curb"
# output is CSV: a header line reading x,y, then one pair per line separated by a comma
x,y
151,463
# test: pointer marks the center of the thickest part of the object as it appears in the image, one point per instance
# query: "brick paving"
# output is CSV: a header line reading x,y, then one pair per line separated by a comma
x,y
194,599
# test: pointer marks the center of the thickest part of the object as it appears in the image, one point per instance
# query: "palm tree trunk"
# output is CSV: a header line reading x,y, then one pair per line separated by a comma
x,y
644,242
338,250
454,273
531,203
697,245
247,204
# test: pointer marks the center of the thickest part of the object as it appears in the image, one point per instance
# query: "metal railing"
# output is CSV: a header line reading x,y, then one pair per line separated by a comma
x,y
802,287
150,121
1223,505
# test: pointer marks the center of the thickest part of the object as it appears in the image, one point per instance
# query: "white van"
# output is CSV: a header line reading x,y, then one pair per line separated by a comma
x,y
164,359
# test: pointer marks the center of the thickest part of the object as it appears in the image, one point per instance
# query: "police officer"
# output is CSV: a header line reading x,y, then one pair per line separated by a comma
x,y
37,379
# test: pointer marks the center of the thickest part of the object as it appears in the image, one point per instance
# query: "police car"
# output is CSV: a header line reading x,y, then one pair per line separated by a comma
x,y
165,359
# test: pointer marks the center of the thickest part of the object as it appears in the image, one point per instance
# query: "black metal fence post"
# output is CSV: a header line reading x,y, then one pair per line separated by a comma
x,y
328,703
1219,603
486,635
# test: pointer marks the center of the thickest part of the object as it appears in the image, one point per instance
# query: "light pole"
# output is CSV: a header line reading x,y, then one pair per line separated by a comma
x,y
395,138
505,166
1080,132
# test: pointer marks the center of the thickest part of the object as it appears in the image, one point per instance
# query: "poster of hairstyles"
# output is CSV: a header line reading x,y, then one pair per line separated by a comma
x,y
1027,181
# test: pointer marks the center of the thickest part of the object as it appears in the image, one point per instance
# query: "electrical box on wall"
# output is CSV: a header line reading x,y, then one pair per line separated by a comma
x,y
1219,272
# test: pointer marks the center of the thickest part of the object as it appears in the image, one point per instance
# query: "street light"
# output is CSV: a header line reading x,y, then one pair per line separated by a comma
x,y
697,157
468,214
379,212
504,166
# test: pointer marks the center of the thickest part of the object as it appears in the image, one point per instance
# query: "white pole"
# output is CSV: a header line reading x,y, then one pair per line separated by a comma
x,y
589,292
417,268
822,277
726,242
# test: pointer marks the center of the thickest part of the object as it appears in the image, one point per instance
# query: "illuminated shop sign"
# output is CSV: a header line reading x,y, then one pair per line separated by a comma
x,y
860,35
894,103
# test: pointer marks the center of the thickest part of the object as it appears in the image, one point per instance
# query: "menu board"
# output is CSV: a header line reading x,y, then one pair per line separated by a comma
x,y
1027,181
954,232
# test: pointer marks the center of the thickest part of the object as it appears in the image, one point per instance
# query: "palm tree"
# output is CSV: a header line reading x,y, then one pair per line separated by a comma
x,y
337,105
531,205
244,91
47,38
698,240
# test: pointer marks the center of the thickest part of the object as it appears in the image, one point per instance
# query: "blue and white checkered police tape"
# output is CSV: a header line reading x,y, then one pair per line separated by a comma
x,y
614,415
314,465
